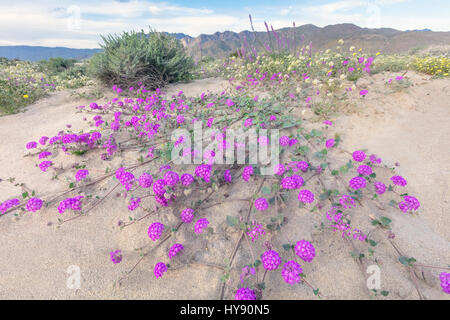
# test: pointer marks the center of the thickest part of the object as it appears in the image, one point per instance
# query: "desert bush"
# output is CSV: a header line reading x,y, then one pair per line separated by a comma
x,y
24,82
436,66
14,95
54,66
153,59
391,63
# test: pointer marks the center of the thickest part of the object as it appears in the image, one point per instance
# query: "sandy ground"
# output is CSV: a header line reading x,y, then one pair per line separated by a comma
x,y
408,127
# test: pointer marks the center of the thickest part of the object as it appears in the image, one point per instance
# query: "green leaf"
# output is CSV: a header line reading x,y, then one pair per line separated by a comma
x,y
257,263
403,260
71,185
265,190
316,291
372,243
385,221
287,247
334,172
343,169
324,196
232,221
384,293
78,152
24,195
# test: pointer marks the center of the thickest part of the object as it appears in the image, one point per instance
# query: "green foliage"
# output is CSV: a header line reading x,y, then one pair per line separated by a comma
x,y
12,96
153,59
56,65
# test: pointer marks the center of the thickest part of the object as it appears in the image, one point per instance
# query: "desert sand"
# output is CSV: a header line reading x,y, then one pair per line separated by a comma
x,y
409,127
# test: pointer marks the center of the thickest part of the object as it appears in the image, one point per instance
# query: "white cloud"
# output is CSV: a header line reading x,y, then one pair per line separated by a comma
x,y
47,23
164,7
196,25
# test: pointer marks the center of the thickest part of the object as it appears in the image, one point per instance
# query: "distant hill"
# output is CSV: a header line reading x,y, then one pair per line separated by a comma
x,y
387,40
221,44
36,53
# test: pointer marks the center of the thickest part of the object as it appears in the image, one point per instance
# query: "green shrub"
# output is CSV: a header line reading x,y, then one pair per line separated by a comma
x,y
56,65
153,59
14,96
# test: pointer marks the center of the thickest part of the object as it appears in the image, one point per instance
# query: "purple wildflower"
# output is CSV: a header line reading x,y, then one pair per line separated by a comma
x,y
171,178
227,176
445,281
134,203
34,204
347,202
270,260
261,204
291,272
200,225
159,187
116,256
44,165
155,230
245,294
305,250
186,179
380,187
329,143
159,270
248,171
145,180
364,170
399,181
255,231
31,145
203,171
357,183
305,196
81,174
173,251
187,215
359,156
284,141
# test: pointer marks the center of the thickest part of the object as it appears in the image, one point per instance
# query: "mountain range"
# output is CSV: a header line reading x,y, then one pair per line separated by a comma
x,y
221,44
36,53
386,40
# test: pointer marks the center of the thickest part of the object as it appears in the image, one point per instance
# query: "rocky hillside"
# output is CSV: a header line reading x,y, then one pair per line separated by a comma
x,y
384,39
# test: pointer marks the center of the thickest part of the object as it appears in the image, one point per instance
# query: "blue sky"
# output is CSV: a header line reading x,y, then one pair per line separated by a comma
x,y
78,24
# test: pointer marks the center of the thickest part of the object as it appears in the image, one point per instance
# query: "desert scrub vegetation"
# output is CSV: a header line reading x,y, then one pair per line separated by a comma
x,y
23,82
133,58
435,66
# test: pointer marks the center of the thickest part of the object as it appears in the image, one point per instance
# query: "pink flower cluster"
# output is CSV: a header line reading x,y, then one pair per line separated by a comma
x,y
155,230
305,250
261,204
70,203
4,206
